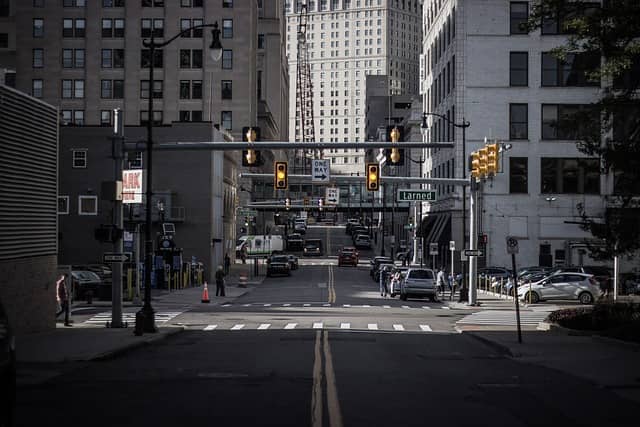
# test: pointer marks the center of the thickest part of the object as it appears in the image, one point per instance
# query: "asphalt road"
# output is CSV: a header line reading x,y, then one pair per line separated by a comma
x,y
245,364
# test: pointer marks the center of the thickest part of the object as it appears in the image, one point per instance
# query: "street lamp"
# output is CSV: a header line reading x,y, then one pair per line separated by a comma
x,y
464,125
145,318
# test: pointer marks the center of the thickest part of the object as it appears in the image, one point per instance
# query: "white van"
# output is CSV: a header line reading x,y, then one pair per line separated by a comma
x,y
263,245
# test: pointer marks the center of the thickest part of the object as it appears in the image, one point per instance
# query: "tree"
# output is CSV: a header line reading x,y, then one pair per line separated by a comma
x,y
610,129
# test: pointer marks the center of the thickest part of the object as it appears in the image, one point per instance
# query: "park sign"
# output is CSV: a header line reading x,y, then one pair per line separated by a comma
x,y
408,195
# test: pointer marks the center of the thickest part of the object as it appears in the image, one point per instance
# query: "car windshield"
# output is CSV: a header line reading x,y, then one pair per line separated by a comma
x,y
312,245
280,259
421,274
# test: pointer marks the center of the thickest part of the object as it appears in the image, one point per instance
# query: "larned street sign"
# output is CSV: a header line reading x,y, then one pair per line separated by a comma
x,y
108,257
473,252
408,195
320,170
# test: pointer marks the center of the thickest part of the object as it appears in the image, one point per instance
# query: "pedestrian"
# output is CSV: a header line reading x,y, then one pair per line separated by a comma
x,y
220,282
227,263
383,284
452,285
62,296
440,280
243,254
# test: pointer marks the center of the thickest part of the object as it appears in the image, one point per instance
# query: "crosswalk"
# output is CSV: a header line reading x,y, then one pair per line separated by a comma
x,y
503,318
103,318
319,325
434,306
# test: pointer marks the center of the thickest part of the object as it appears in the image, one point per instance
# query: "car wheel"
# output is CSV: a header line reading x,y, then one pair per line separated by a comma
x,y
585,298
392,295
531,297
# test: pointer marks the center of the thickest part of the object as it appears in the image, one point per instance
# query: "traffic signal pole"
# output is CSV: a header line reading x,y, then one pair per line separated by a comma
x,y
473,240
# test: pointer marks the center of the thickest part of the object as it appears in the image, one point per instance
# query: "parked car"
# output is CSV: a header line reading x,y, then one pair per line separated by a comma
x,y
536,269
7,370
84,282
312,247
348,255
278,264
630,283
578,286
377,261
295,242
362,241
499,272
358,230
293,262
603,275
418,282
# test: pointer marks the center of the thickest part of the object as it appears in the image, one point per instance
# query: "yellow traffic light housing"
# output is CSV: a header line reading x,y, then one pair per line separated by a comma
x,y
483,162
492,159
475,164
280,176
373,176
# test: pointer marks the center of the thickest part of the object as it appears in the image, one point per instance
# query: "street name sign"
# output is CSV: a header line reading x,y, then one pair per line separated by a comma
x,y
247,212
320,170
473,252
408,195
332,196
109,257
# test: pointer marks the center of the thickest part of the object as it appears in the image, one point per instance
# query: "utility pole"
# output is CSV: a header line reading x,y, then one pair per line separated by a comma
x,y
116,267
473,240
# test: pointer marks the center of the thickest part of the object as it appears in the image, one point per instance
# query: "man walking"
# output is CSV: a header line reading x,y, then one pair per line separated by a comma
x,y
440,280
62,295
227,263
220,282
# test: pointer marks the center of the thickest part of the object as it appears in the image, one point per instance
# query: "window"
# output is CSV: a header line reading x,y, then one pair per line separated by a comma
x,y
196,115
196,89
227,59
227,28
158,28
74,3
87,205
570,72
118,58
518,68
226,119
73,27
112,3
145,28
260,41
63,205
227,89
227,3
105,118
145,57
566,121
36,88
157,89
36,3
570,175
78,117
518,175
112,89
106,89
185,89
107,58
38,27
518,121
184,115
79,159
118,28
67,89
107,28
144,118
78,58
67,28
4,40
79,29
38,58
519,15
190,58
558,24
78,89
152,3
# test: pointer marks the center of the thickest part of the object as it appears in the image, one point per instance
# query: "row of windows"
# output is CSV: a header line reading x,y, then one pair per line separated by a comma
x,y
519,14
572,71
77,118
87,205
143,3
557,175
558,121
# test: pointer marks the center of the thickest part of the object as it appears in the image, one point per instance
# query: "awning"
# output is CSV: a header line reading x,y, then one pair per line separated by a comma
x,y
438,227
426,225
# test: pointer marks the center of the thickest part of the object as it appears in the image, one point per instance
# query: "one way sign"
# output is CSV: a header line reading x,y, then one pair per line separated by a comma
x,y
320,171
332,196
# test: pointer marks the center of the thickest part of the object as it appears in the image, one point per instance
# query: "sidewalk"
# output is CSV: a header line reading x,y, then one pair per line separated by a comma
x,y
611,364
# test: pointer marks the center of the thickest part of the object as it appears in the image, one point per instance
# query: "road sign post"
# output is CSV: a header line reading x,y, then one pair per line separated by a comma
x,y
433,251
452,248
512,248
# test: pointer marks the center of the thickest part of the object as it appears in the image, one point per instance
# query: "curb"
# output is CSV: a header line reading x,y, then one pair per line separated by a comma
x,y
112,354
500,348
616,341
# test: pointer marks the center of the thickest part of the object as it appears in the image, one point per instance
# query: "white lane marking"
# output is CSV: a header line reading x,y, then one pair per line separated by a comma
x,y
266,305
286,305
317,325
398,327
264,326
291,325
346,305
326,305
246,305
365,306
426,307
373,326
237,327
226,305
306,305
405,306
210,327
345,325
446,308
386,306
425,328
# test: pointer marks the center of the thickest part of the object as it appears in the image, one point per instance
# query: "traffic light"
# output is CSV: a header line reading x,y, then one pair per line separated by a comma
x,y
395,156
250,157
483,162
475,164
373,176
287,203
280,176
492,159
246,221
320,203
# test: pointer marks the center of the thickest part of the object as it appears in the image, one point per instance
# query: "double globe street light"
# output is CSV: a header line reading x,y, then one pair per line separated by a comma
x,y
145,318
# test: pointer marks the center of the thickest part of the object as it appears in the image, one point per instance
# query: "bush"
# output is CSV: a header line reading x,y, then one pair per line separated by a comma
x,y
615,320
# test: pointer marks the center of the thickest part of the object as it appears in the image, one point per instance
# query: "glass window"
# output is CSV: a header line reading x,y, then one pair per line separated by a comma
x,y
184,115
226,119
38,27
145,28
196,88
260,41
227,59
118,89
79,58
79,159
570,175
185,89
107,28
38,58
568,121
107,59
227,3
227,89
67,28
196,58
118,58
78,89
80,26
36,88
518,121
196,116
227,28
197,33
67,118
67,89
185,58
67,58
185,24
519,11
106,89
78,117
87,205
105,118
63,205
572,71
518,68
518,175
118,28
157,60
158,28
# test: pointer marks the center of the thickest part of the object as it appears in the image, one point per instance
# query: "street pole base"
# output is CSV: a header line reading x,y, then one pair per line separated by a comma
x,y
145,321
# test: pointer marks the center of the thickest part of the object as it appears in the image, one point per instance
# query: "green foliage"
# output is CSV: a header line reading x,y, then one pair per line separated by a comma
x,y
602,317
611,30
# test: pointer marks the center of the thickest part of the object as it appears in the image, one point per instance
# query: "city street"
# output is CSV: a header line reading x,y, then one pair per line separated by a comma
x,y
319,348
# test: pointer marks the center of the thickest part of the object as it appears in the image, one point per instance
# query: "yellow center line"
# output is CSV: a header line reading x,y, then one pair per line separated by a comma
x,y
316,392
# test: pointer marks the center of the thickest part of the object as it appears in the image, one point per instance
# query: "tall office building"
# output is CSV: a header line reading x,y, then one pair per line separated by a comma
x,y
478,65
7,42
348,40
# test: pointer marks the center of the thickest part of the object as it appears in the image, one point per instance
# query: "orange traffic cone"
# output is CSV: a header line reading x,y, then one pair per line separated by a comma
x,y
205,293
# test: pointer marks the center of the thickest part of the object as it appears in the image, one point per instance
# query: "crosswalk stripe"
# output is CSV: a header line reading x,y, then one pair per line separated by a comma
x,y
264,326
398,327
286,305
226,305
246,305
346,305
405,306
317,325
266,305
426,307
326,305
386,306
345,325
306,305
446,308
372,326
210,327
237,327
425,328
290,325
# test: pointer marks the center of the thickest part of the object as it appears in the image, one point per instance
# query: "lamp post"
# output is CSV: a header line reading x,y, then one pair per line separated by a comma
x,y
145,318
464,125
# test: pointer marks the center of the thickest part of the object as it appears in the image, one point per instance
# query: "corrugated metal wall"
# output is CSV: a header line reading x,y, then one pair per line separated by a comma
x,y
28,176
